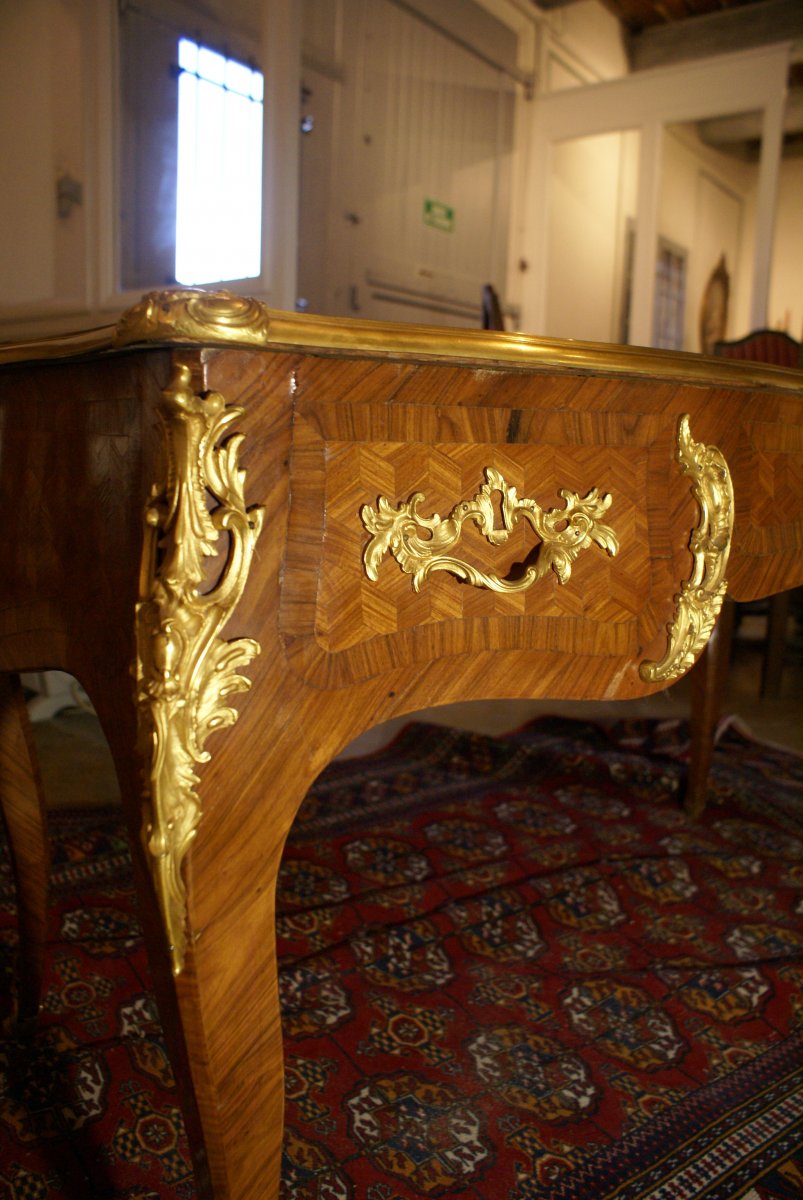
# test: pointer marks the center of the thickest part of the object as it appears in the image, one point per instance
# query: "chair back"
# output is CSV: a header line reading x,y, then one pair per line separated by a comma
x,y
764,345
492,317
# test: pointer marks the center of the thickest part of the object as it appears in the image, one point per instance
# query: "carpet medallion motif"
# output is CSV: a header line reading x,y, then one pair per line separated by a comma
x,y
511,969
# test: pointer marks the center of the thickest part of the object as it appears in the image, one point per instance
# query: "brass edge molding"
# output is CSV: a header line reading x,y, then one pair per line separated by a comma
x,y
346,335
182,314
217,316
186,672
699,600
399,531
194,314
57,346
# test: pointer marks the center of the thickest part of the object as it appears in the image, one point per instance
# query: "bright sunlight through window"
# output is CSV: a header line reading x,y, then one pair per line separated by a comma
x,y
219,190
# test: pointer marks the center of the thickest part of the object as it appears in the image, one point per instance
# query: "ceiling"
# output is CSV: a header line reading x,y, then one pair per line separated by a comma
x,y
662,32
636,15
751,20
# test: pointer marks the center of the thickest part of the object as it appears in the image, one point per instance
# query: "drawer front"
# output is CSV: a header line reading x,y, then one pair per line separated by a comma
x,y
351,611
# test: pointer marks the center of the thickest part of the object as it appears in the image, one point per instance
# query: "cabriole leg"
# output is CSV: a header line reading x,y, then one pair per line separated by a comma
x,y
22,804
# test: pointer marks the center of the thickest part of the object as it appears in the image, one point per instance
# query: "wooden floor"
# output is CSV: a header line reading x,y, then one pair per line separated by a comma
x,y
77,770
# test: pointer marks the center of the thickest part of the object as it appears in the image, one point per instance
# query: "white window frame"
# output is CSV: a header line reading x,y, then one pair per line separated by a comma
x,y
279,59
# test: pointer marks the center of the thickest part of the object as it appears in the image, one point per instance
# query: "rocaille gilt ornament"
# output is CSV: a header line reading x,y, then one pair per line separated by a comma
x,y
422,544
186,672
187,314
700,598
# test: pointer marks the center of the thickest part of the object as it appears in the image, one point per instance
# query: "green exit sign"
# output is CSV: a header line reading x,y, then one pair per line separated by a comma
x,y
439,215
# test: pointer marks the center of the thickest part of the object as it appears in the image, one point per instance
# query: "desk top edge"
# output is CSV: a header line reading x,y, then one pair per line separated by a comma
x,y
194,316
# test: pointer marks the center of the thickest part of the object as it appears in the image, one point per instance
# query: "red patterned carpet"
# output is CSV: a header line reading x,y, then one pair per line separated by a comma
x,y
511,969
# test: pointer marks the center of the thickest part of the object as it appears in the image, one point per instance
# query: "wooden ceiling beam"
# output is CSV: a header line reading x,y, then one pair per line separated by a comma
x,y
714,33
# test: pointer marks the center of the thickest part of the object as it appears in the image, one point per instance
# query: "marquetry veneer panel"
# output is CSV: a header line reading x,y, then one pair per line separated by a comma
x,y
352,444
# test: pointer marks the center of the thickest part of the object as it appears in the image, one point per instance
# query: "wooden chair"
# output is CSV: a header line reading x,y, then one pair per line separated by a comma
x,y
763,345
776,347
492,317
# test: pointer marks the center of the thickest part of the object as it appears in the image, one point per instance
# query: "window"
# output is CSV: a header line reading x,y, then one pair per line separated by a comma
x,y
219,175
670,296
669,303
190,148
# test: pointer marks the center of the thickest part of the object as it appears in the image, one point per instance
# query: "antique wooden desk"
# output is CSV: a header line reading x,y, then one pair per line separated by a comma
x,y
211,499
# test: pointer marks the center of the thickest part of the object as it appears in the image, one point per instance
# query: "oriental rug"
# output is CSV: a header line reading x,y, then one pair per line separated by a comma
x,y
512,969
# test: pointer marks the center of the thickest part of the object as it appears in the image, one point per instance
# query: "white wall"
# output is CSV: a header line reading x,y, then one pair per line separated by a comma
x,y
581,43
786,282
27,267
405,114
42,135
574,45
706,207
591,197
708,203
58,84
646,101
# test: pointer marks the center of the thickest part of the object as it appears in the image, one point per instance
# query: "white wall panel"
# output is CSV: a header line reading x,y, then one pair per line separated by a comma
x,y
786,292
422,119
702,205
591,196
42,97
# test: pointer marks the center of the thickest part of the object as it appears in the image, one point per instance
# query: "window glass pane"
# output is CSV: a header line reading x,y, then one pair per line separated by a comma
x,y
238,77
211,65
188,55
670,296
219,192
